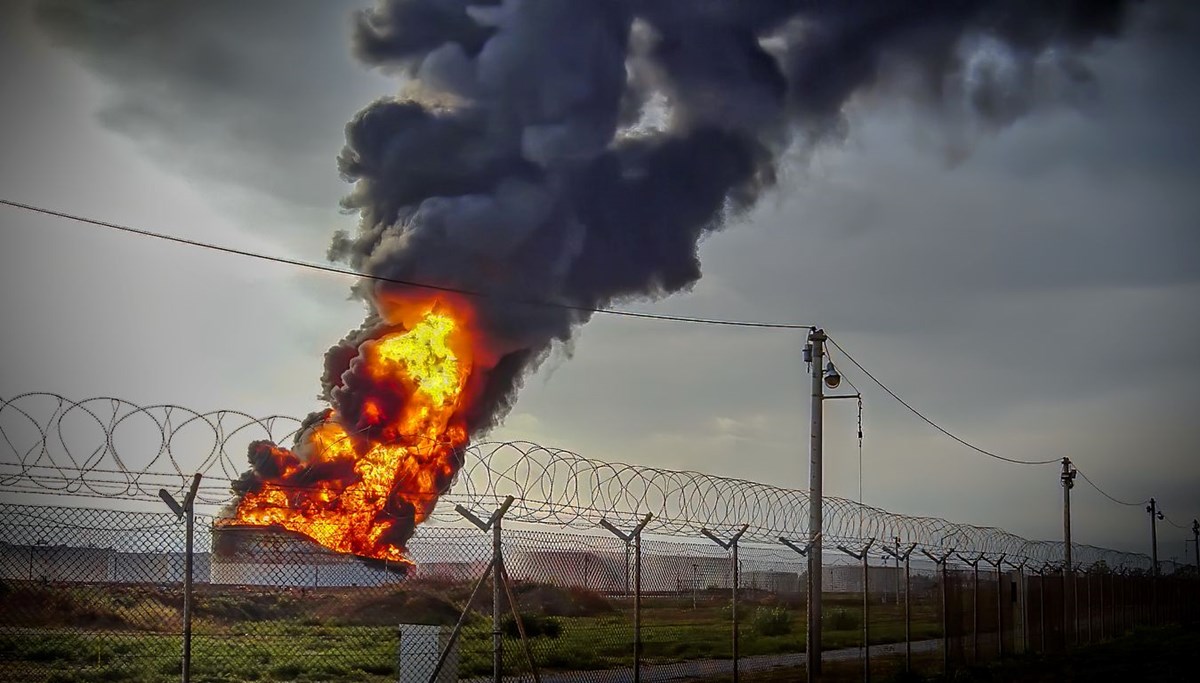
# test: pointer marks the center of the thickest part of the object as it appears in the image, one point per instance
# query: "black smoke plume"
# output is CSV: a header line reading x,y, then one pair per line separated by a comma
x,y
576,151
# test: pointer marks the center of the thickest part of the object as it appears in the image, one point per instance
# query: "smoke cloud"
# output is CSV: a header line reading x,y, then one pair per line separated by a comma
x,y
576,152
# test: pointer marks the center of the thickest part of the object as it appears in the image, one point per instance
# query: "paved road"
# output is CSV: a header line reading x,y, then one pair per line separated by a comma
x,y
701,668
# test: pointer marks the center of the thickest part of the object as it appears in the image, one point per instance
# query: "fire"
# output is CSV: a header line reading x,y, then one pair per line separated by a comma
x,y
360,479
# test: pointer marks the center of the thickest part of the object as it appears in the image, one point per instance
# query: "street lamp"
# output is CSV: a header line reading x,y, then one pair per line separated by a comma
x,y
833,379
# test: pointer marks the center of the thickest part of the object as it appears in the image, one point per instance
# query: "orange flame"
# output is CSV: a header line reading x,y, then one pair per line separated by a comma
x,y
358,484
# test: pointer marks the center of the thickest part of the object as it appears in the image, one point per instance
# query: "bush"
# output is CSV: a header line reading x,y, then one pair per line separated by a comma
x,y
771,621
535,626
843,620
743,611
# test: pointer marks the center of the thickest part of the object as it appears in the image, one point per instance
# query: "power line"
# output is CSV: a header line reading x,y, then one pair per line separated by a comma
x,y
397,281
1177,526
930,422
1104,493
585,309
972,447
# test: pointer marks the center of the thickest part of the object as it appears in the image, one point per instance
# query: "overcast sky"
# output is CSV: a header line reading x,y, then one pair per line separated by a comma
x,y
1034,288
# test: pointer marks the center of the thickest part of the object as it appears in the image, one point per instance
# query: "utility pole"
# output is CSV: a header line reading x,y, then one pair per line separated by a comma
x,y
1196,543
1155,515
815,354
1068,482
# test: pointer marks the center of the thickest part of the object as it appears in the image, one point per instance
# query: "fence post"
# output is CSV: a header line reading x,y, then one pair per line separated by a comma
x,y
940,563
907,598
1024,600
1088,577
1119,603
732,545
999,604
635,537
499,588
1102,625
187,512
974,565
1108,630
627,570
497,625
863,556
1041,572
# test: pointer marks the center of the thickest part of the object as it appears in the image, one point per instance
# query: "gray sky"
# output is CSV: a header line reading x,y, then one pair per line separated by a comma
x,y
1033,288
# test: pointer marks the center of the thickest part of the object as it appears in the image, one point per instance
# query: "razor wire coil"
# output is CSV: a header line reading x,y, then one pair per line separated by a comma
x,y
107,447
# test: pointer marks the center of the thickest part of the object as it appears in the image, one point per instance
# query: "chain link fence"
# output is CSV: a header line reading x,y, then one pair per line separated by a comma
x,y
97,595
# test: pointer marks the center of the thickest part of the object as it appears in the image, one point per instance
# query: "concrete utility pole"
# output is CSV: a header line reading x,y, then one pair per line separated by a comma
x,y
1155,515
1068,482
812,647
1196,542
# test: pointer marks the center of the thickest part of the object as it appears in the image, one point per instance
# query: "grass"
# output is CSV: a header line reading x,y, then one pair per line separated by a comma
x,y
85,634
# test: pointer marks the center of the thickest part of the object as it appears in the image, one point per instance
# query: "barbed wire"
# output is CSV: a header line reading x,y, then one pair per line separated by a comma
x,y
106,447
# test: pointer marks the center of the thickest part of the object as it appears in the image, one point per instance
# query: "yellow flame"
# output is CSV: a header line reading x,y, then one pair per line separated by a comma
x,y
426,357
346,519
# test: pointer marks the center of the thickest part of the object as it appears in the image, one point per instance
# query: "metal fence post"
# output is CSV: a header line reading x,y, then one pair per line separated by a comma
x,y
1088,578
497,596
634,537
974,565
999,604
1042,606
627,570
907,598
940,562
499,584
187,512
732,545
1075,598
1119,604
1020,644
863,556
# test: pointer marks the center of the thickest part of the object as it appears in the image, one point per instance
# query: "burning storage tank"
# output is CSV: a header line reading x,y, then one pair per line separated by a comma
x,y
273,556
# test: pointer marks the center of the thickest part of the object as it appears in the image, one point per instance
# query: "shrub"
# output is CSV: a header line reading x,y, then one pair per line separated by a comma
x,y
843,620
771,621
535,626
743,611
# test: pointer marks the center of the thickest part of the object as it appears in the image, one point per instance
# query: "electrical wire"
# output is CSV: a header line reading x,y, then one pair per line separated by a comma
x,y
1104,493
585,309
943,430
397,281
1170,521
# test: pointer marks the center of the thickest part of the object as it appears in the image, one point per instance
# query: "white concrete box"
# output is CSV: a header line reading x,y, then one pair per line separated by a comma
x,y
420,647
